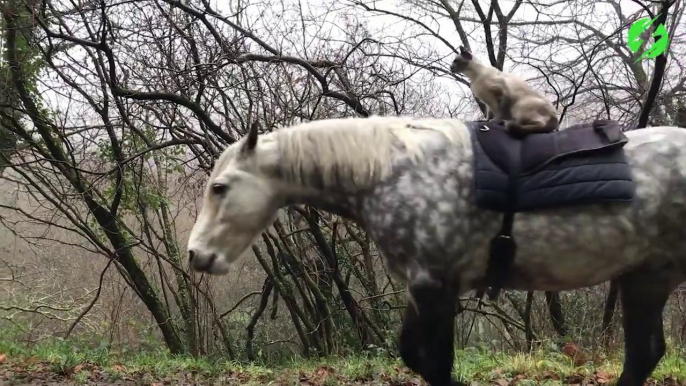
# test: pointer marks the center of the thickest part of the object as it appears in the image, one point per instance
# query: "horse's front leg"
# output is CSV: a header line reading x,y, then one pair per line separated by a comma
x,y
427,337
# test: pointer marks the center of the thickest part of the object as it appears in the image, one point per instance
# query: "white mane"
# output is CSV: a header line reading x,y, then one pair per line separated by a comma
x,y
353,153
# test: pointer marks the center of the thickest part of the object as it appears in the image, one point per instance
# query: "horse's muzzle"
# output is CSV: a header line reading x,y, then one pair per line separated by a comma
x,y
200,262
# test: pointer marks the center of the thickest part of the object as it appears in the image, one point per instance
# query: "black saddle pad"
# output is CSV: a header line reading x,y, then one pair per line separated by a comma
x,y
582,164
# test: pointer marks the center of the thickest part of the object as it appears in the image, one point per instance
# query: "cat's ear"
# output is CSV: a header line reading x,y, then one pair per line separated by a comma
x,y
465,53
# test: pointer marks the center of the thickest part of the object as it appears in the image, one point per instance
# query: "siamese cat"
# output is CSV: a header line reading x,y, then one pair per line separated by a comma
x,y
508,98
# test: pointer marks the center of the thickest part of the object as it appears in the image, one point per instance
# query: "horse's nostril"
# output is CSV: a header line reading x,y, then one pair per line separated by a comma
x,y
200,262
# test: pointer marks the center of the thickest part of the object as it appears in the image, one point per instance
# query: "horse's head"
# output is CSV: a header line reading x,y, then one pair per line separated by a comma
x,y
239,203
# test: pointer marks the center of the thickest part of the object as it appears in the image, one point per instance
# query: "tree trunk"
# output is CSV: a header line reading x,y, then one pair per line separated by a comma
x,y
296,312
608,313
528,329
556,315
658,71
264,300
188,311
105,219
360,321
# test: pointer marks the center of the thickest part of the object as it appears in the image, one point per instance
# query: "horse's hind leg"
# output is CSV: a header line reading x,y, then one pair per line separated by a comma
x,y
426,340
643,295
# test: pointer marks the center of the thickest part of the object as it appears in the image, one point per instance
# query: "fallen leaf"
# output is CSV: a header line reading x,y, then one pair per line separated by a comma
x,y
502,382
241,377
302,377
575,353
323,371
550,375
575,379
601,377
516,380
670,381
3,358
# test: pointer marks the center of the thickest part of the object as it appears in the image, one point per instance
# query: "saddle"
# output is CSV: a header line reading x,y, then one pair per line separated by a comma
x,y
582,164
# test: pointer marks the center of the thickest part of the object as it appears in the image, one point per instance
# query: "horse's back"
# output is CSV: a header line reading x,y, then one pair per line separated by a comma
x,y
575,247
427,213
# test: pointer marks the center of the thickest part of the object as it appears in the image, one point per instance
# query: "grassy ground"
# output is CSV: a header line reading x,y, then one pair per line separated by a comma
x,y
59,363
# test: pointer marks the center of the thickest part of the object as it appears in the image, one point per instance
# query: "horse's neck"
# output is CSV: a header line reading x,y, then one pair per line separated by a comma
x,y
337,176
311,178
341,204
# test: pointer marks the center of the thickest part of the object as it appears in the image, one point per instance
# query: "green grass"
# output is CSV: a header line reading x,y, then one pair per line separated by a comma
x,y
82,364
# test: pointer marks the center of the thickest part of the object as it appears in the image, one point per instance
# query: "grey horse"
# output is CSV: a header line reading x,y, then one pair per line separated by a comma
x,y
409,183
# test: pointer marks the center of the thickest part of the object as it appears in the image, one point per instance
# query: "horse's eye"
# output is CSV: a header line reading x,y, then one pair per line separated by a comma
x,y
219,189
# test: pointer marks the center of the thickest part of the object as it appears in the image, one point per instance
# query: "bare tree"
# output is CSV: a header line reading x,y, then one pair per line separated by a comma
x,y
113,138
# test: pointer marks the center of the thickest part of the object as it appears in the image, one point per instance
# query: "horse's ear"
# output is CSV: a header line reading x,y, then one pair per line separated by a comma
x,y
251,141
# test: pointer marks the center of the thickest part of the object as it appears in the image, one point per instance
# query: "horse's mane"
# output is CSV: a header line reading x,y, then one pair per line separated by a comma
x,y
354,153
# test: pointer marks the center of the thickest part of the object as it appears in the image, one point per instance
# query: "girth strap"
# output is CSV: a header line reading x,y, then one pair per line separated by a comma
x,y
503,247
